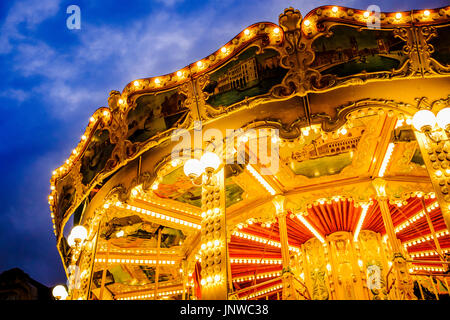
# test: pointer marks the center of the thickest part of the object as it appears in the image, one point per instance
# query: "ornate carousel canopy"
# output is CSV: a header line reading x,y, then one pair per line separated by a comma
x,y
356,205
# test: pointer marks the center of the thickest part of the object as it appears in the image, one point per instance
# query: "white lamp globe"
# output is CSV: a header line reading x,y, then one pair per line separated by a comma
x,y
79,233
71,240
193,168
210,161
423,119
60,292
443,118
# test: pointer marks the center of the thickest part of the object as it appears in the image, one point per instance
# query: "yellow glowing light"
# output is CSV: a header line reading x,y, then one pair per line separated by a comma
x,y
366,14
105,113
343,131
155,186
224,50
121,101
92,119
246,32
335,9
276,30
199,64
426,13
398,16
136,83
179,73
307,23
157,81
83,137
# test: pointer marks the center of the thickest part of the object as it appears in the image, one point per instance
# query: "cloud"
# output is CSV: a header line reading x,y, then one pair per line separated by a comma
x,y
28,14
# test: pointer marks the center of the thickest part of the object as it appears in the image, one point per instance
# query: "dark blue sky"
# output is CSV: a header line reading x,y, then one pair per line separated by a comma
x,y
53,79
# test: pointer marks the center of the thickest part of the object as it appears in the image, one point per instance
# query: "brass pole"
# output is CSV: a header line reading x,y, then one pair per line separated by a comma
x,y
93,261
155,296
105,268
434,288
433,232
421,290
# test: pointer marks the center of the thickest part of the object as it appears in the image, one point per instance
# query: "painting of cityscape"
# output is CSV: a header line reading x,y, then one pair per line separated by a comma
x,y
350,51
441,45
154,114
317,157
249,75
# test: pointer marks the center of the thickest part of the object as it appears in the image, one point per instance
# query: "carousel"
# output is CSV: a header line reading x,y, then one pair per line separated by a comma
x,y
304,160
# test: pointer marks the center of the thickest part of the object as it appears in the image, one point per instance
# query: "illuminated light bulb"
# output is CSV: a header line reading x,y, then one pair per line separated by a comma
x,y
443,119
438,173
120,234
155,186
83,137
216,243
92,119
217,277
134,192
174,163
203,282
276,30
246,32
209,279
54,173
121,101
335,9
105,113
60,292
307,23
366,14
52,188
329,267
136,83
157,81
343,131
426,13
106,205
179,73
193,168
398,16
210,161
223,49
199,64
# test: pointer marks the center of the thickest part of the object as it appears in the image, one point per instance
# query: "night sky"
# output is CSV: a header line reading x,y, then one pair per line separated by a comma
x,y
53,79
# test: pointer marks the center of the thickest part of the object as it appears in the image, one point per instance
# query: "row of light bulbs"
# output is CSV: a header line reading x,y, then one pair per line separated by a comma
x,y
427,253
416,217
254,261
257,277
137,194
211,280
147,296
366,14
136,261
434,269
425,238
272,243
262,292
158,215
261,180
386,159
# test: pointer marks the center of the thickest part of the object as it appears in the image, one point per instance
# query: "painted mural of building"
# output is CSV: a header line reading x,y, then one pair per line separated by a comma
x,y
239,76
320,148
